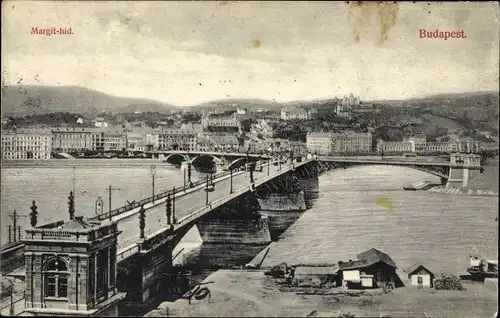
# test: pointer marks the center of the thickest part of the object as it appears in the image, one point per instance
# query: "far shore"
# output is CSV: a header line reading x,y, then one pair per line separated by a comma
x,y
64,163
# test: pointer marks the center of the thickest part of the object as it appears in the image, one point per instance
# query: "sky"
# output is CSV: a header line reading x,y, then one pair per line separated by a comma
x,y
185,53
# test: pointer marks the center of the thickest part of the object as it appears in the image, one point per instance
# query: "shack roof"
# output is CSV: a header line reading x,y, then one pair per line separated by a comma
x,y
353,264
373,256
416,267
316,270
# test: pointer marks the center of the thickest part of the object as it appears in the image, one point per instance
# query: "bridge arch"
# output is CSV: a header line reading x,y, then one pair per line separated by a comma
x,y
235,164
438,170
198,159
176,158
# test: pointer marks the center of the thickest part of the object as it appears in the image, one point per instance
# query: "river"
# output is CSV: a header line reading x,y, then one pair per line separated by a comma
x,y
49,185
435,229
347,218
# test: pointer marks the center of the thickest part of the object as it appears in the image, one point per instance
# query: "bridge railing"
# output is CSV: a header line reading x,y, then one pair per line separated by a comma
x,y
195,212
123,254
153,238
156,197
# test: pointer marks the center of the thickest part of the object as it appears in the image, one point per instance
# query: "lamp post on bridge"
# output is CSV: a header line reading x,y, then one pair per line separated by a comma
x,y
17,228
252,168
153,173
231,185
184,178
206,191
247,159
268,164
173,206
110,191
189,174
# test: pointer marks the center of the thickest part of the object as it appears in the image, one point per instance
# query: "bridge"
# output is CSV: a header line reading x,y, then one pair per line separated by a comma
x,y
456,172
207,158
143,249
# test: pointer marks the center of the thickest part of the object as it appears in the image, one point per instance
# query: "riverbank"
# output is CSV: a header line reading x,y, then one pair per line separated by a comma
x,y
463,191
238,293
64,163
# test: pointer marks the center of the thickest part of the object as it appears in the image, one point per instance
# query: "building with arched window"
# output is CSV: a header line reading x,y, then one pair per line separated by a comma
x,y
56,276
71,269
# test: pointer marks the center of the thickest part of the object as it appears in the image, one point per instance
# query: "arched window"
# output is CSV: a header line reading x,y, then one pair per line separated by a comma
x,y
56,278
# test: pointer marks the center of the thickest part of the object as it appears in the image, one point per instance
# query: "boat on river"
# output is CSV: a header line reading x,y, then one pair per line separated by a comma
x,y
409,187
482,268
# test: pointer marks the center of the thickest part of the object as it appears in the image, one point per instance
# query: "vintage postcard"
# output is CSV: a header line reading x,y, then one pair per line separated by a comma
x,y
249,158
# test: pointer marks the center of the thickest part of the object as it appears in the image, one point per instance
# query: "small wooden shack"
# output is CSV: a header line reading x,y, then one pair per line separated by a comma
x,y
315,276
420,276
372,269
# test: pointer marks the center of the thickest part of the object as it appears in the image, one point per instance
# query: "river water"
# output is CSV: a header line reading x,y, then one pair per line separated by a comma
x,y
50,186
347,218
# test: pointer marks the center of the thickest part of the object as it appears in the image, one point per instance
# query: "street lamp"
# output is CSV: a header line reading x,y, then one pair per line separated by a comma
x,y
184,178
189,174
251,166
231,187
153,172
268,165
206,191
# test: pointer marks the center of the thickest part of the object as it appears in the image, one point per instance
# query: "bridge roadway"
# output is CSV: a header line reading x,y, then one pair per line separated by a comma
x,y
185,204
212,153
130,247
393,160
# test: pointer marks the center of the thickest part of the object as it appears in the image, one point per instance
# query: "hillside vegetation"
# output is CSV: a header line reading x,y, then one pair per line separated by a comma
x,y
24,100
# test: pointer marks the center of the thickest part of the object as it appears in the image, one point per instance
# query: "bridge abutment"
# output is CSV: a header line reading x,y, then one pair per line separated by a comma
x,y
237,222
282,210
465,167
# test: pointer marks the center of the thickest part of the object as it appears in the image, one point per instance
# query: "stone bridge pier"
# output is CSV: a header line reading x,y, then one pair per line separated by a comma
x,y
237,222
283,201
464,168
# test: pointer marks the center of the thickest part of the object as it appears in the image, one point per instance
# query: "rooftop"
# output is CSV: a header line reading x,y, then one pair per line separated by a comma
x,y
229,139
415,267
373,256
76,224
352,264
316,270
77,129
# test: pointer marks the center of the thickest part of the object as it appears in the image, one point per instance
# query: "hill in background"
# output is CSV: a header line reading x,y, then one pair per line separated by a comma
x,y
30,100
474,110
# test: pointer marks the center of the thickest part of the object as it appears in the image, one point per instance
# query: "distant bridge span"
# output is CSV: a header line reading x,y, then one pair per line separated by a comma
x,y
456,172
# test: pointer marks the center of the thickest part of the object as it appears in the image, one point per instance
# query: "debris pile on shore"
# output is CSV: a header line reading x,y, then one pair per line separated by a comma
x,y
449,283
278,271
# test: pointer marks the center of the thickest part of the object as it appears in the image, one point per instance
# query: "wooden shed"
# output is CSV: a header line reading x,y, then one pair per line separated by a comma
x,y
420,276
315,276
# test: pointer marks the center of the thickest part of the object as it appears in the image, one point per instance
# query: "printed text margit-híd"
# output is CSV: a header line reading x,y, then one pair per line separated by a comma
x,y
51,31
